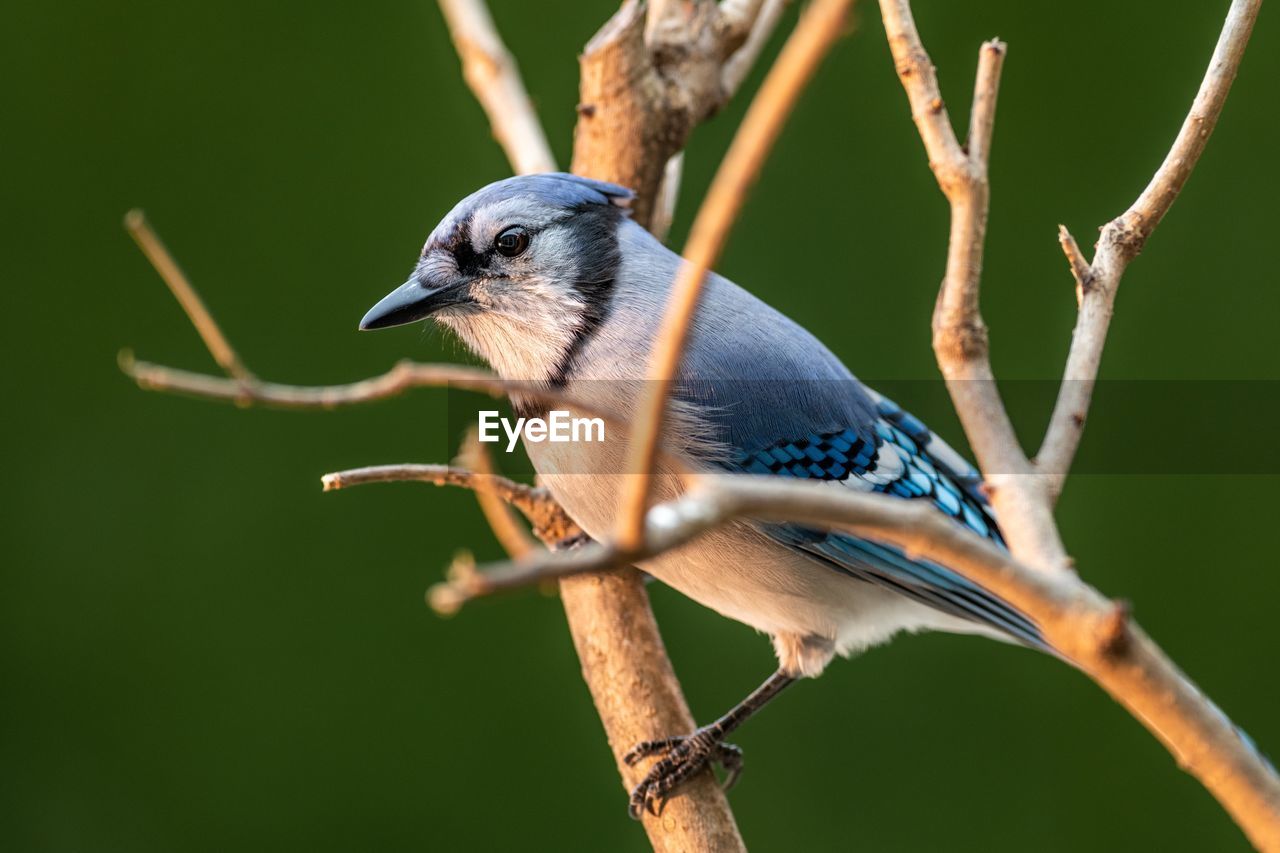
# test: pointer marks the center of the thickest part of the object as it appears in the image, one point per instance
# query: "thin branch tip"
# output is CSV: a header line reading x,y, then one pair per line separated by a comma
x,y
1124,237
444,599
493,76
1081,270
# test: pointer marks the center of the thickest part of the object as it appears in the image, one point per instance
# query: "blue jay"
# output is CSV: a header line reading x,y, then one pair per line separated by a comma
x,y
547,279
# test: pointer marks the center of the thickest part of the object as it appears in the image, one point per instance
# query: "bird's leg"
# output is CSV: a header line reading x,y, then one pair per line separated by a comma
x,y
685,755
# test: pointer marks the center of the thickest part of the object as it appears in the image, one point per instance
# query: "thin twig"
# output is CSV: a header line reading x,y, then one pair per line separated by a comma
x,y
244,388
959,333
492,75
1121,241
549,520
814,35
135,222
757,20
402,377
508,531
1080,269
738,66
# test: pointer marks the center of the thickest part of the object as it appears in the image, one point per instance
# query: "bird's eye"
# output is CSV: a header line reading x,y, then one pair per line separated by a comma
x,y
512,242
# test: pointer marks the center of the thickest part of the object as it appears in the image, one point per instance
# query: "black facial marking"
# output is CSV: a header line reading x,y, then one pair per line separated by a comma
x,y
597,229
470,262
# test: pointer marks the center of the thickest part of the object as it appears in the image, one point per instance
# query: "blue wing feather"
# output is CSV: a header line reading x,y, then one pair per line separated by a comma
x,y
897,455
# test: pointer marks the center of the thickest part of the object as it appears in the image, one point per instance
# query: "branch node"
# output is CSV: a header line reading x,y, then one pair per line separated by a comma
x,y
963,340
1081,271
1125,235
1113,635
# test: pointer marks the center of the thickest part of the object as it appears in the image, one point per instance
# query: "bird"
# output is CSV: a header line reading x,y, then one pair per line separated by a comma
x,y
548,279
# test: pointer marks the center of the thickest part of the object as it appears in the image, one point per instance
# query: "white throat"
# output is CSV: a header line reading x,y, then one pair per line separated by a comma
x,y
525,338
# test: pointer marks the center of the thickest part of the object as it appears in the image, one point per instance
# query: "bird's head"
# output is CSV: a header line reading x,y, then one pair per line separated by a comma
x,y
519,269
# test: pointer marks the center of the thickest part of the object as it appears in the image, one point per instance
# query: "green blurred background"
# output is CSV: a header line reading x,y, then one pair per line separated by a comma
x,y
202,652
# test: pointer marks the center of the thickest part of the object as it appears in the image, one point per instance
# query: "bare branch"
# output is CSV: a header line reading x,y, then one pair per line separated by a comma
x,y
400,378
513,537
1091,631
667,526
538,568
982,118
404,376
1080,270
817,31
738,66
629,120
959,333
135,222
738,20
665,20
755,22
647,81
244,388
639,698
491,72
1123,238
536,504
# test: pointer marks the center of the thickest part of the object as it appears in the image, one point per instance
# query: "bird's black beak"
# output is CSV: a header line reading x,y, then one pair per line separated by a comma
x,y
411,301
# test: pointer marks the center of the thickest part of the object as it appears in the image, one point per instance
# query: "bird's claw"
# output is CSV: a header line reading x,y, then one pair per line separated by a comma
x,y
682,757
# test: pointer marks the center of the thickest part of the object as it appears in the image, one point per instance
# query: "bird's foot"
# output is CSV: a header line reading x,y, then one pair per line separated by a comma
x,y
682,757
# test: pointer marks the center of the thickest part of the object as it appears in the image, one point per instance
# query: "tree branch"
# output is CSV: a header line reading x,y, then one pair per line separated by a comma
x,y
816,32
648,77
135,222
738,66
550,522
1123,238
959,334
754,22
492,75
1093,632
738,19
497,511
